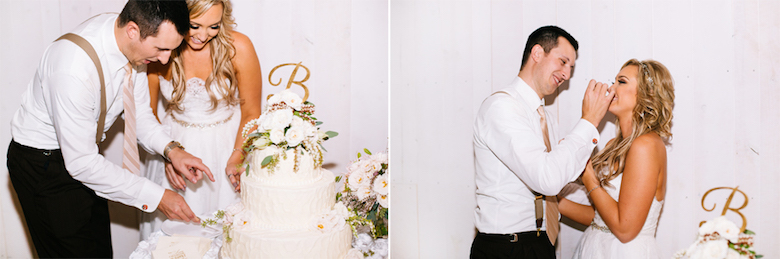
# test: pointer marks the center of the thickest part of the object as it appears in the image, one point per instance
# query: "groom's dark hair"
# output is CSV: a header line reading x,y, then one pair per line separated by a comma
x,y
547,37
149,14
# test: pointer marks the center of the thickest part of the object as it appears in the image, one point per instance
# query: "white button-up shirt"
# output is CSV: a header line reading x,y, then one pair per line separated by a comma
x,y
61,107
510,159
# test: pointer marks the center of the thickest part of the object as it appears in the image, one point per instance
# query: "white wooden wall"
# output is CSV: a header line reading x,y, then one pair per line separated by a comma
x,y
447,56
343,43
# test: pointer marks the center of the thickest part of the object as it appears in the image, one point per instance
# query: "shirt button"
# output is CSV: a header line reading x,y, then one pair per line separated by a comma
x,y
595,141
144,207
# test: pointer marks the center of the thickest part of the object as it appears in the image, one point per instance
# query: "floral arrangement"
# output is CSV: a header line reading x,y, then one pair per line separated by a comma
x,y
287,123
332,220
364,246
365,194
234,216
720,238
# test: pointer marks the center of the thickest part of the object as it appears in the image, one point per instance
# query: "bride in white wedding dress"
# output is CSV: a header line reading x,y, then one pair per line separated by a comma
x,y
210,89
626,181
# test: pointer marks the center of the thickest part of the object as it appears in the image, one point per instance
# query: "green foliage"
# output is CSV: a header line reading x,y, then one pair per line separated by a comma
x,y
208,222
267,160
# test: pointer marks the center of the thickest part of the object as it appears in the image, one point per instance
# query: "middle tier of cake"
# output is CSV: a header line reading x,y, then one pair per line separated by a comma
x,y
287,207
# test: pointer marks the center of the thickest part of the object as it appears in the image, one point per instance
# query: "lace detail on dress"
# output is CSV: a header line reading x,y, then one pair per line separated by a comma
x,y
196,87
197,111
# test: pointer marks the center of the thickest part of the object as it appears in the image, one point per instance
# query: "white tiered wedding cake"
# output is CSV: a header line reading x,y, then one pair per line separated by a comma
x,y
288,203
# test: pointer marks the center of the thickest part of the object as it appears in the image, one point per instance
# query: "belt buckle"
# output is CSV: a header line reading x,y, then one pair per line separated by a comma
x,y
514,238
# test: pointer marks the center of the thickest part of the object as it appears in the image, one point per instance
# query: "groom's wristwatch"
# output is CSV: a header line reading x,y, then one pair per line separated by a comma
x,y
169,147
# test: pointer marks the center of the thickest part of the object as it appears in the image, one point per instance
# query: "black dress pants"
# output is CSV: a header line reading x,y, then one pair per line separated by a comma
x,y
525,245
65,218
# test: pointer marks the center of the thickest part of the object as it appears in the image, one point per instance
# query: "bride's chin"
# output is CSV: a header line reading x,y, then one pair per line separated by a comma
x,y
195,46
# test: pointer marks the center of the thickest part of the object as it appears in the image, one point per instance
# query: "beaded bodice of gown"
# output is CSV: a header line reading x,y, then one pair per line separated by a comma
x,y
197,103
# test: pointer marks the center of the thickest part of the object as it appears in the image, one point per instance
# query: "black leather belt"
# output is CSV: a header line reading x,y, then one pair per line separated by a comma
x,y
514,237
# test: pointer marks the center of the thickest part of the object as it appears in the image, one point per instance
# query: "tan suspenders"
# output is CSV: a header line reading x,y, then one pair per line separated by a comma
x,y
84,44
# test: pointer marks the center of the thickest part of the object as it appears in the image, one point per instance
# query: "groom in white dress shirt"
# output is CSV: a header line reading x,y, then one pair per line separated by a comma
x,y
60,178
512,160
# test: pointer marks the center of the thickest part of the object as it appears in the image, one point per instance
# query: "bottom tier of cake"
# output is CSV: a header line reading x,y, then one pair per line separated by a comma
x,y
256,243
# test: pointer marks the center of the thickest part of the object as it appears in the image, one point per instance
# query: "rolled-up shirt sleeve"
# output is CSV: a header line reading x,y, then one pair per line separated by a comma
x,y
509,132
72,109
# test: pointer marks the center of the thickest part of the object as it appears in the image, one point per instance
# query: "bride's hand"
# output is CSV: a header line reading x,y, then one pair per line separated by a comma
x,y
234,169
589,176
177,182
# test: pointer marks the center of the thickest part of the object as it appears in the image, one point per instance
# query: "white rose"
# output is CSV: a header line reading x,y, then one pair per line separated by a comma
x,y
380,157
274,99
383,201
707,228
277,136
363,242
381,184
341,210
354,253
296,121
263,123
242,219
380,247
291,99
371,166
321,224
727,229
337,220
364,192
261,142
354,167
281,118
294,136
358,180
310,130
325,223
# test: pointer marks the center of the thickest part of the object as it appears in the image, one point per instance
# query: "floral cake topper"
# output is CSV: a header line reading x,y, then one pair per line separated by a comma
x,y
287,122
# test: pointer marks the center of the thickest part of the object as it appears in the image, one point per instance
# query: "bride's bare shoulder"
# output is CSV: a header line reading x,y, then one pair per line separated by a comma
x,y
648,146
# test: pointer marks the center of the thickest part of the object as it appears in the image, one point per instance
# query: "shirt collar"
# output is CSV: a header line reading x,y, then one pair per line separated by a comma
x,y
114,58
527,94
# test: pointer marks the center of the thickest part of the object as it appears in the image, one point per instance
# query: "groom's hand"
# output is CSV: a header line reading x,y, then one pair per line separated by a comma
x,y
174,207
188,165
596,102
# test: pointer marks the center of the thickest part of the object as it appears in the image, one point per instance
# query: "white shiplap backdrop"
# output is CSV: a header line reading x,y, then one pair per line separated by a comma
x,y
447,56
344,44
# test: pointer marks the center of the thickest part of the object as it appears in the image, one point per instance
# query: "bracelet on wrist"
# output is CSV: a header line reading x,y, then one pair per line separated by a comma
x,y
169,147
594,188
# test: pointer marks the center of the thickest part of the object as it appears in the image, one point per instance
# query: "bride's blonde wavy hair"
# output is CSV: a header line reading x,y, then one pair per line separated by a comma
x,y
222,52
652,113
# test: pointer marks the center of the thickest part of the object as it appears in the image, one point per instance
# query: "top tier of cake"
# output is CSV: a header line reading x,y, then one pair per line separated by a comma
x,y
283,172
